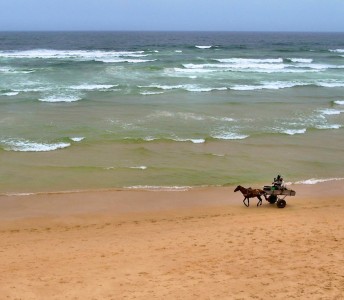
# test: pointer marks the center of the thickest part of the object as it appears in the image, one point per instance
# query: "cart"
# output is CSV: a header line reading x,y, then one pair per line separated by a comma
x,y
278,195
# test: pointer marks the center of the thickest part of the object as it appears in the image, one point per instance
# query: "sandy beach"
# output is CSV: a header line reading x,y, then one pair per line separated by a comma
x,y
201,243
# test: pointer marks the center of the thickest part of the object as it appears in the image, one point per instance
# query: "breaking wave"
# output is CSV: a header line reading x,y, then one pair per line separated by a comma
x,y
30,146
315,180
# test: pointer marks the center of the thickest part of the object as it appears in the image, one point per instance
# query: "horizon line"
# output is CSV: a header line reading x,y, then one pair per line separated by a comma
x,y
186,31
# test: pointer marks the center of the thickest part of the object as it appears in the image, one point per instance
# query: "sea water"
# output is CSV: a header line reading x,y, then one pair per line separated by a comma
x,y
93,110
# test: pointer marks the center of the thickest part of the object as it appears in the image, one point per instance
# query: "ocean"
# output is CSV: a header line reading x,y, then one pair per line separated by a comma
x,y
100,110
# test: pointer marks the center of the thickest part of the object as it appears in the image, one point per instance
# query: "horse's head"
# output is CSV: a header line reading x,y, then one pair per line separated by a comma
x,y
237,188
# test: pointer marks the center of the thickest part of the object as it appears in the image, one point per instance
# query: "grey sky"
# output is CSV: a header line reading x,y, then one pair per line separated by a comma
x,y
222,15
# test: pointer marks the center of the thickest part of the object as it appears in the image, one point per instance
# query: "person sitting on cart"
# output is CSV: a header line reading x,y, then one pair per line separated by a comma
x,y
279,183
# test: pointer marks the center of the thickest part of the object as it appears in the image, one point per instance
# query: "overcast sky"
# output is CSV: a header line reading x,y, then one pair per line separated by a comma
x,y
203,15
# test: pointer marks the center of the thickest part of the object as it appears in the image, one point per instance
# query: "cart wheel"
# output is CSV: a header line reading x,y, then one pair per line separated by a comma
x,y
272,199
281,203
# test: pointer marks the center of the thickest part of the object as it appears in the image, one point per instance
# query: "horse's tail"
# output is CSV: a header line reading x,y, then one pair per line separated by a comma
x,y
264,193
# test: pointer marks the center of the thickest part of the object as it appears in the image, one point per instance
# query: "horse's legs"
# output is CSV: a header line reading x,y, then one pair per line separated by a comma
x,y
260,201
248,202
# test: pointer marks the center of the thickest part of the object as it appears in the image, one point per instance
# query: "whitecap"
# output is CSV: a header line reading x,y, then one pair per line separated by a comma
x,y
19,194
178,51
244,87
123,60
330,111
77,139
301,60
230,136
149,138
29,146
320,67
337,50
8,70
60,98
90,87
248,61
315,180
331,84
194,141
339,102
139,167
10,94
203,47
193,88
224,119
192,70
147,93
162,87
294,131
328,126
160,188
267,85
69,54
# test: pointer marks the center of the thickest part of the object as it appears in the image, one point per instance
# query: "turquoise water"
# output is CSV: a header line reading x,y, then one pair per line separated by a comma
x,y
114,109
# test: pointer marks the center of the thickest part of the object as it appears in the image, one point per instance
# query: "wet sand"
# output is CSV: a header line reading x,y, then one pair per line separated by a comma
x,y
197,244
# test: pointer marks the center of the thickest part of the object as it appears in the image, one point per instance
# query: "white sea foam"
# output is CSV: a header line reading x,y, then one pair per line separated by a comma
x,y
162,87
249,61
124,60
9,94
294,131
267,85
203,47
330,111
9,70
337,50
230,136
247,66
70,54
301,60
224,119
149,138
320,67
5,69
187,87
29,146
330,84
179,115
77,138
33,89
60,98
328,126
139,167
267,65
315,180
160,188
178,51
19,194
147,93
192,70
195,88
90,87
194,141
339,102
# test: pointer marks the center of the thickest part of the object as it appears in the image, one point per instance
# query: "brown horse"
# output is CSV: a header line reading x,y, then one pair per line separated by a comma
x,y
251,193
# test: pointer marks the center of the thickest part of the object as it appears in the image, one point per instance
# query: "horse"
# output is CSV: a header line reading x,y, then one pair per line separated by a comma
x,y
251,193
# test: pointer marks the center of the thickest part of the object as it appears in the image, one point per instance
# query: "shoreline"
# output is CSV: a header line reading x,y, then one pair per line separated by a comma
x,y
141,200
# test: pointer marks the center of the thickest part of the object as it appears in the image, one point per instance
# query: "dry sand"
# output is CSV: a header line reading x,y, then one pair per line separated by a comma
x,y
197,244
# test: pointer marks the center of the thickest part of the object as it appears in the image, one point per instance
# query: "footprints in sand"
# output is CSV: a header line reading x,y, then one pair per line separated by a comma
x,y
221,254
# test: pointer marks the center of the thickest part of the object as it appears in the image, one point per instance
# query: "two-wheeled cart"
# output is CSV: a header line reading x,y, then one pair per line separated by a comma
x,y
278,196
